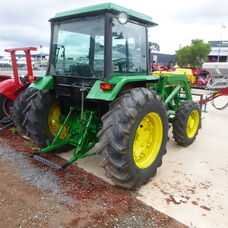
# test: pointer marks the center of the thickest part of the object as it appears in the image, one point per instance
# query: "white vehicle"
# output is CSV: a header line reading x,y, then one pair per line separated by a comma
x,y
218,68
219,72
21,62
5,62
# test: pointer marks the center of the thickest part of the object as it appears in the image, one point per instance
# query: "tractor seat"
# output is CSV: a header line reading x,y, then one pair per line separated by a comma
x,y
83,70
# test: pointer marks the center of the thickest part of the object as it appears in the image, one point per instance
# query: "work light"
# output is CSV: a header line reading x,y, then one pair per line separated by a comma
x,y
122,18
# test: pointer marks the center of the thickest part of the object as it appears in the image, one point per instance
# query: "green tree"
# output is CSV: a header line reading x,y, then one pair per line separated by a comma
x,y
154,46
194,55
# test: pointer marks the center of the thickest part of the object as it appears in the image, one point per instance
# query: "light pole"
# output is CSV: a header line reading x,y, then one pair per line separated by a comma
x,y
220,41
41,51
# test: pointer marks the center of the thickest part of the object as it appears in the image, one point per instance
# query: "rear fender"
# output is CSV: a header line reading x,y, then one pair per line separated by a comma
x,y
118,83
43,83
4,77
23,87
8,88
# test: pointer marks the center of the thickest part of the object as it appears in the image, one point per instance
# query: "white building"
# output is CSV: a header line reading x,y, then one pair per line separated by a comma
x,y
219,50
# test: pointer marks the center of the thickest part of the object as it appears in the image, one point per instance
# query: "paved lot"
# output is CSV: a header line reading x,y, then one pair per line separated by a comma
x,y
196,175
199,173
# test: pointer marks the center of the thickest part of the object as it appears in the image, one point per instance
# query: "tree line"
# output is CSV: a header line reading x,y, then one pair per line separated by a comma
x,y
192,56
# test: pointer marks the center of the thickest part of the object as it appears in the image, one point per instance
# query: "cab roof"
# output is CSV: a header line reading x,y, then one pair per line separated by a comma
x,y
105,7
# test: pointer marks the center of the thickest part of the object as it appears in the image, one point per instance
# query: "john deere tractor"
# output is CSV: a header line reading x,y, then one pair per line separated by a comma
x,y
99,89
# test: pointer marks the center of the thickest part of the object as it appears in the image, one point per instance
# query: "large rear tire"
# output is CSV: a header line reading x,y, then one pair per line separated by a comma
x,y
5,106
19,107
186,123
134,137
43,119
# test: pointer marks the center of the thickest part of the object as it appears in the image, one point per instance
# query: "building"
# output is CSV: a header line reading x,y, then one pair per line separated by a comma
x,y
219,51
38,60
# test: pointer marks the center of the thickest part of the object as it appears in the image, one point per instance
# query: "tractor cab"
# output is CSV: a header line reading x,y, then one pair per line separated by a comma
x,y
99,42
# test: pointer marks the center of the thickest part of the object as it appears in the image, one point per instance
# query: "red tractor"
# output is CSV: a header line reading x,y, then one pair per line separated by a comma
x,y
12,86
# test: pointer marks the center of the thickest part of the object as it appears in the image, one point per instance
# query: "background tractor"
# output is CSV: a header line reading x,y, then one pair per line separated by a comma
x,y
12,86
99,89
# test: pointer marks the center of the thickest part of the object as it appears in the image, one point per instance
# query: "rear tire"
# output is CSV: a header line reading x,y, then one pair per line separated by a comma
x,y
120,142
19,107
186,123
5,106
38,119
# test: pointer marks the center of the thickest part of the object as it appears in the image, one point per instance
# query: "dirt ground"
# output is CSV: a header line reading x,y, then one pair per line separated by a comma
x,y
33,195
23,205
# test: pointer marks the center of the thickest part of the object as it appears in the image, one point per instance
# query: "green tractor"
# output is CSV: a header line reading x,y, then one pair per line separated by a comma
x,y
99,89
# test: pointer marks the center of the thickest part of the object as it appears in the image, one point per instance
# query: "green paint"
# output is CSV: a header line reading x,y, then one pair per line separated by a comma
x,y
105,7
170,88
160,85
81,134
119,81
43,83
173,93
179,79
169,82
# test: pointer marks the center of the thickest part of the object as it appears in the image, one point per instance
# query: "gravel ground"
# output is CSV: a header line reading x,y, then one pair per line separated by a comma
x,y
27,203
33,195
42,179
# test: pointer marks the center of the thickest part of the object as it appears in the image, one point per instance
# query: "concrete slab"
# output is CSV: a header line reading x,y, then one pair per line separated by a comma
x,y
197,174
90,164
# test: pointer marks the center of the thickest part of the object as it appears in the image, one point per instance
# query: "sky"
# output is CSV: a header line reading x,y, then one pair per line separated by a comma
x,y
25,22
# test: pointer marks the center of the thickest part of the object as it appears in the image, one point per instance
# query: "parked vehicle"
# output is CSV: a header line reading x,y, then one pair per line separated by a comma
x,y
5,62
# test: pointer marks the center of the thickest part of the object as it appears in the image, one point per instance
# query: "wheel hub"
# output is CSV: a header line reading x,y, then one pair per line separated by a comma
x,y
147,141
192,123
54,122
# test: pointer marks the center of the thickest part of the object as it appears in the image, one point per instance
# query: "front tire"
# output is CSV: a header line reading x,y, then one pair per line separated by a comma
x,y
134,137
186,123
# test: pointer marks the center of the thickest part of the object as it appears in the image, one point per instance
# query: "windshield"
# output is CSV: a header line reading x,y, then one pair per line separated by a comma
x,y
78,48
128,48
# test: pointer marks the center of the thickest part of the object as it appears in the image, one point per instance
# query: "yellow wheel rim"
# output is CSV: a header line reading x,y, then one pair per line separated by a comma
x,y
147,141
54,122
192,124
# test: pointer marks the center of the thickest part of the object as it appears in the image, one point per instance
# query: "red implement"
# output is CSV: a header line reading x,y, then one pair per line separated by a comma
x,y
9,85
12,86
